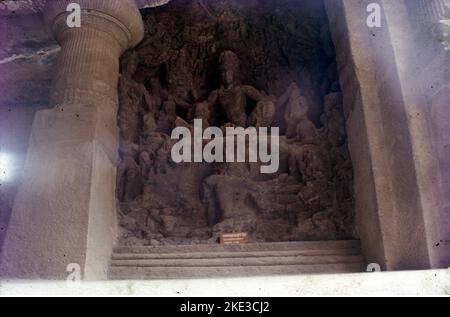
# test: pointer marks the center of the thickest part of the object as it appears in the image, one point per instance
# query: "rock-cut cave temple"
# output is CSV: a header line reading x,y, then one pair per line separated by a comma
x,y
87,115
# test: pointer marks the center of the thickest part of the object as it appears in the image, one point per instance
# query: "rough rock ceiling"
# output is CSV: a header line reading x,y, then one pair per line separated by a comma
x,y
8,7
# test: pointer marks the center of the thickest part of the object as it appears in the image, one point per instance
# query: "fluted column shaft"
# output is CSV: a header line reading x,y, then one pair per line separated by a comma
x,y
65,209
87,69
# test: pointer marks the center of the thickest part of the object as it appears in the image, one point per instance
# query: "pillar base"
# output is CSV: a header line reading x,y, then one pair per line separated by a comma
x,y
65,209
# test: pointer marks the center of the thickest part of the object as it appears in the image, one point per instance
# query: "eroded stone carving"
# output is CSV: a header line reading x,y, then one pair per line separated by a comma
x,y
232,96
309,198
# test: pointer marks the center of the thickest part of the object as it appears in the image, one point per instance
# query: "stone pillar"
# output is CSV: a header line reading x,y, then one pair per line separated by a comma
x,y
390,140
414,52
434,73
65,210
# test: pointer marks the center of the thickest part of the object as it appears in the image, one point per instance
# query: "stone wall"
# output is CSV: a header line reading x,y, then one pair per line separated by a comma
x,y
27,55
433,69
389,135
366,204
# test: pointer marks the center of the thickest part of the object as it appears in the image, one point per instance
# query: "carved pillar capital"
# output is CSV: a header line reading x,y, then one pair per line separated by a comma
x,y
87,70
119,18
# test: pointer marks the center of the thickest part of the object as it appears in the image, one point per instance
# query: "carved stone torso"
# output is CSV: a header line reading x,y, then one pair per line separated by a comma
x,y
233,103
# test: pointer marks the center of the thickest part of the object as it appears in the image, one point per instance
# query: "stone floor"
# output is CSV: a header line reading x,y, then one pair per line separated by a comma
x,y
413,283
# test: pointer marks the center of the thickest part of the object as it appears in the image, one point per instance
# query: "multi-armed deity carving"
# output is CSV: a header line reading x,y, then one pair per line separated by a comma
x,y
163,202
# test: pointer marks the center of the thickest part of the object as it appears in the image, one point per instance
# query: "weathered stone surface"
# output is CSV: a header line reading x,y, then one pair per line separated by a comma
x,y
201,261
388,134
17,7
178,68
27,54
10,7
64,211
273,77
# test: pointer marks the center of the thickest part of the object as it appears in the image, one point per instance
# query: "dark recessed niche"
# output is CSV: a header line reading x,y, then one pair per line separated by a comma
x,y
280,53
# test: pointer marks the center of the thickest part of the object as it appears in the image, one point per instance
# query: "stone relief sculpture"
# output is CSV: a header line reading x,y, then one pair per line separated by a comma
x,y
128,172
137,99
299,203
160,202
231,96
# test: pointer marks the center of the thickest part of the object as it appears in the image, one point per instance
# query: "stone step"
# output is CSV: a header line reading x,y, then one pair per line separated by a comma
x,y
231,254
299,246
143,273
200,261
239,261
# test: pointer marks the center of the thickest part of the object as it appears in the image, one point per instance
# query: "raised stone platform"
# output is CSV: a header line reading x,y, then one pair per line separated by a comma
x,y
203,261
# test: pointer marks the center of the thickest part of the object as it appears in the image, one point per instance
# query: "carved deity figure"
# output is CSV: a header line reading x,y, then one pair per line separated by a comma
x,y
232,96
128,173
299,127
225,197
203,112
307,161
154,153
167,116
333,120
132,97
